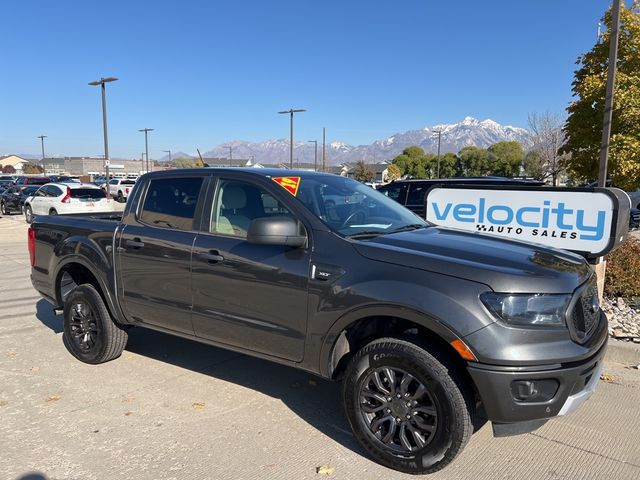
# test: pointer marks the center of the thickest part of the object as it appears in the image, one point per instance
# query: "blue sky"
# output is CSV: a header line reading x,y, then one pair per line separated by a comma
x,y
204,72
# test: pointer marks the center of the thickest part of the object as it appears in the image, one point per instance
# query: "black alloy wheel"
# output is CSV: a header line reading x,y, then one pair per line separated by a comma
x,y
398,409
83,326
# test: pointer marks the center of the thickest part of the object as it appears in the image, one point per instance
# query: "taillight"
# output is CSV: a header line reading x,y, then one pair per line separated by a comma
x,y
126,190
31,245
67,197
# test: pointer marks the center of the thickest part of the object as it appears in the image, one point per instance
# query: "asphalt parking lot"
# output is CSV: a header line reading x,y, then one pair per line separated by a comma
x,y
170,408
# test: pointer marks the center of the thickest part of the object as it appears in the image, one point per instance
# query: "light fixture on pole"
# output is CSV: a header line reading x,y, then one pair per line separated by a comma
x,y
102,83
42,137
146,144
315,154
169,152
291,111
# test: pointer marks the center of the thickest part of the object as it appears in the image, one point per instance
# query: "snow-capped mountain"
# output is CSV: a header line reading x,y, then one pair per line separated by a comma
x,y
453,137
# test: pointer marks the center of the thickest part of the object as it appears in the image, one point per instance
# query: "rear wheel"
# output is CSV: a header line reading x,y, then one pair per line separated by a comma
x,y
408,409
28,214
3,209
120,197
53,211
90,334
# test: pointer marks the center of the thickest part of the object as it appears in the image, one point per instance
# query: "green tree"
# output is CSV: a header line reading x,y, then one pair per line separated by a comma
x,y
413,162
473,162
363,172
534,165
448,165
505,158
583,128
393,172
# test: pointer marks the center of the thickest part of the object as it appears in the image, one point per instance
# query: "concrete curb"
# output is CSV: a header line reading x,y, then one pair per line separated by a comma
x,y
627,353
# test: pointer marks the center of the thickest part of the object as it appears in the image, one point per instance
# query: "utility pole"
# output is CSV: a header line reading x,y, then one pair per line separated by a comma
x,y
230,155
323,147
291,111
608,104
439,135
169,152
42,137
102,83
142,157
146,144
315,154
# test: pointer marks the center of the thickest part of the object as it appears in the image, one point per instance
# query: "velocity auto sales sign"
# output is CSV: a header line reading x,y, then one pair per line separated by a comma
x,y
581,220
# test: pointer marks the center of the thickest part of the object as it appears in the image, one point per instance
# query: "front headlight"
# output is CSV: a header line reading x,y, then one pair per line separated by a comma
x,y
528,310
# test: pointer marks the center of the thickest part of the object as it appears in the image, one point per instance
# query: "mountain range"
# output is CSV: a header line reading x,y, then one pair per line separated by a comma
x,y
453,137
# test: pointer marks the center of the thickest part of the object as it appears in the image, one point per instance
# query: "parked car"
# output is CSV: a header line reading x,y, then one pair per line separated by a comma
x,y
6,183
65,198
62,179
12,200
420,323
411,193
32,180
119,188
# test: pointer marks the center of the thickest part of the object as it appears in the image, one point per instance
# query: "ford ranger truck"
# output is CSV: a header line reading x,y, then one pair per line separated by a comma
x,y
429,329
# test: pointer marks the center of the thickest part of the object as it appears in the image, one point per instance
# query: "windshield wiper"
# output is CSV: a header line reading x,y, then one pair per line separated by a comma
x,y
408,228
366,233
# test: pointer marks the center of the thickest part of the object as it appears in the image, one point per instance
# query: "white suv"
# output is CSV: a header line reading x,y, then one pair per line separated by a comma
x,y
63,198
119,188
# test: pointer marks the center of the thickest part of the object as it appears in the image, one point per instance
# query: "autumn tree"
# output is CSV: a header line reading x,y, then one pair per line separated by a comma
x,y
363,172
393,172
8,169
31,169
583,128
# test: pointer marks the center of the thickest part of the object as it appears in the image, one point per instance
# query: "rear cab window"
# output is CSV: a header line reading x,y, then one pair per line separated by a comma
x,y
171,202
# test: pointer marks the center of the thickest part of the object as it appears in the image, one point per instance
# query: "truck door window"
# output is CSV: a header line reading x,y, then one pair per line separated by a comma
x,y
416,194
237,204
171,202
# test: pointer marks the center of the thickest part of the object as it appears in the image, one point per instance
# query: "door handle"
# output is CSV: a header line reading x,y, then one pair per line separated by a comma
x,y
135,243
211,257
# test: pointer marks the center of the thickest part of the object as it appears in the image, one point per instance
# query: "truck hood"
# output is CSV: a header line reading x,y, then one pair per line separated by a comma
x,y
502,264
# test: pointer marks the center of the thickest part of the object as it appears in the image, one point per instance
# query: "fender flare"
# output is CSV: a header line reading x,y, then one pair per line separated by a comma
x,y
331,338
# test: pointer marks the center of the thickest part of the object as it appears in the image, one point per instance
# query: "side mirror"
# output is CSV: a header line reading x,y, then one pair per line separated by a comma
x,y
276,231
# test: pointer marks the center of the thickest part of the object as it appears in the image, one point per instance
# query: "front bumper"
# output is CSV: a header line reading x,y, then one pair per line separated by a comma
x,y
576,383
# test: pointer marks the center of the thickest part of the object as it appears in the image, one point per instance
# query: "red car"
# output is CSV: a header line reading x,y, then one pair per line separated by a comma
x,y
32,180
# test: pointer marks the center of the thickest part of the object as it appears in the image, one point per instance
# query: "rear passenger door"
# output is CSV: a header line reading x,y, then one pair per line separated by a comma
x,y
246,295
415,197
154,252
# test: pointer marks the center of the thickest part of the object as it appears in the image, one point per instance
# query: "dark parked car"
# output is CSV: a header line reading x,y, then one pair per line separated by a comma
x,y
32,180
410,193
12,199
420,323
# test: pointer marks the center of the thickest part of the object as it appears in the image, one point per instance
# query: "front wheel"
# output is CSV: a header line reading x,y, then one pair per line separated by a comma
x,y
90,334
53,211
405,407
28,214
3,209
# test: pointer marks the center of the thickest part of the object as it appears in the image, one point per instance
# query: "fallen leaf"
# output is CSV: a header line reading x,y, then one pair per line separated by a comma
x,y
198,406
3,403
12,354
325,470
126,414
53,398
35,369
127,399
607,377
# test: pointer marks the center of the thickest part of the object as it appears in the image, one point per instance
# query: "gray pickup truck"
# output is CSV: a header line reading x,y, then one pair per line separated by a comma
x,y
427,328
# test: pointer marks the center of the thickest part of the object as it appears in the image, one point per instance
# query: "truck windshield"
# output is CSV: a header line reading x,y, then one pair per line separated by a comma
x,y
351,208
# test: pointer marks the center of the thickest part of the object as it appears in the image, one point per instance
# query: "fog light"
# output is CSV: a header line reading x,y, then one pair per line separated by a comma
x,y
534,390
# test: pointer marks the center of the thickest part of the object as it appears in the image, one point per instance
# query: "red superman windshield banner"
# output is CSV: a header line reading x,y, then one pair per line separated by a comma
x,y
290,184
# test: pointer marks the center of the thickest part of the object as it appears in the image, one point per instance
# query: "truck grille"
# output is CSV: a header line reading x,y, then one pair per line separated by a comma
x,y
586,312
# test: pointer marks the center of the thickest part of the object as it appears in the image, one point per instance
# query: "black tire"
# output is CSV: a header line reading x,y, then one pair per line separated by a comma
x,y
3,209
53,211
445,403
120,197
28,214
90,334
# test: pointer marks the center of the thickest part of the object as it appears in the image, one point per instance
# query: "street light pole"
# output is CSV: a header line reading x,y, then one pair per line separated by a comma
x,y
439,134
142,157
315,155
169,152
608,104
102,83
323,147
42,137
291,111
146,143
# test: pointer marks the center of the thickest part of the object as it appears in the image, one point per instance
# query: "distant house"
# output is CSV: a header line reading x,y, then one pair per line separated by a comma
x,y
15,161
53,166
381,170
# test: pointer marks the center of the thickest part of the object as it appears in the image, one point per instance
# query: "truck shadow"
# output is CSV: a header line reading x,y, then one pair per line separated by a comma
x,y
315,400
